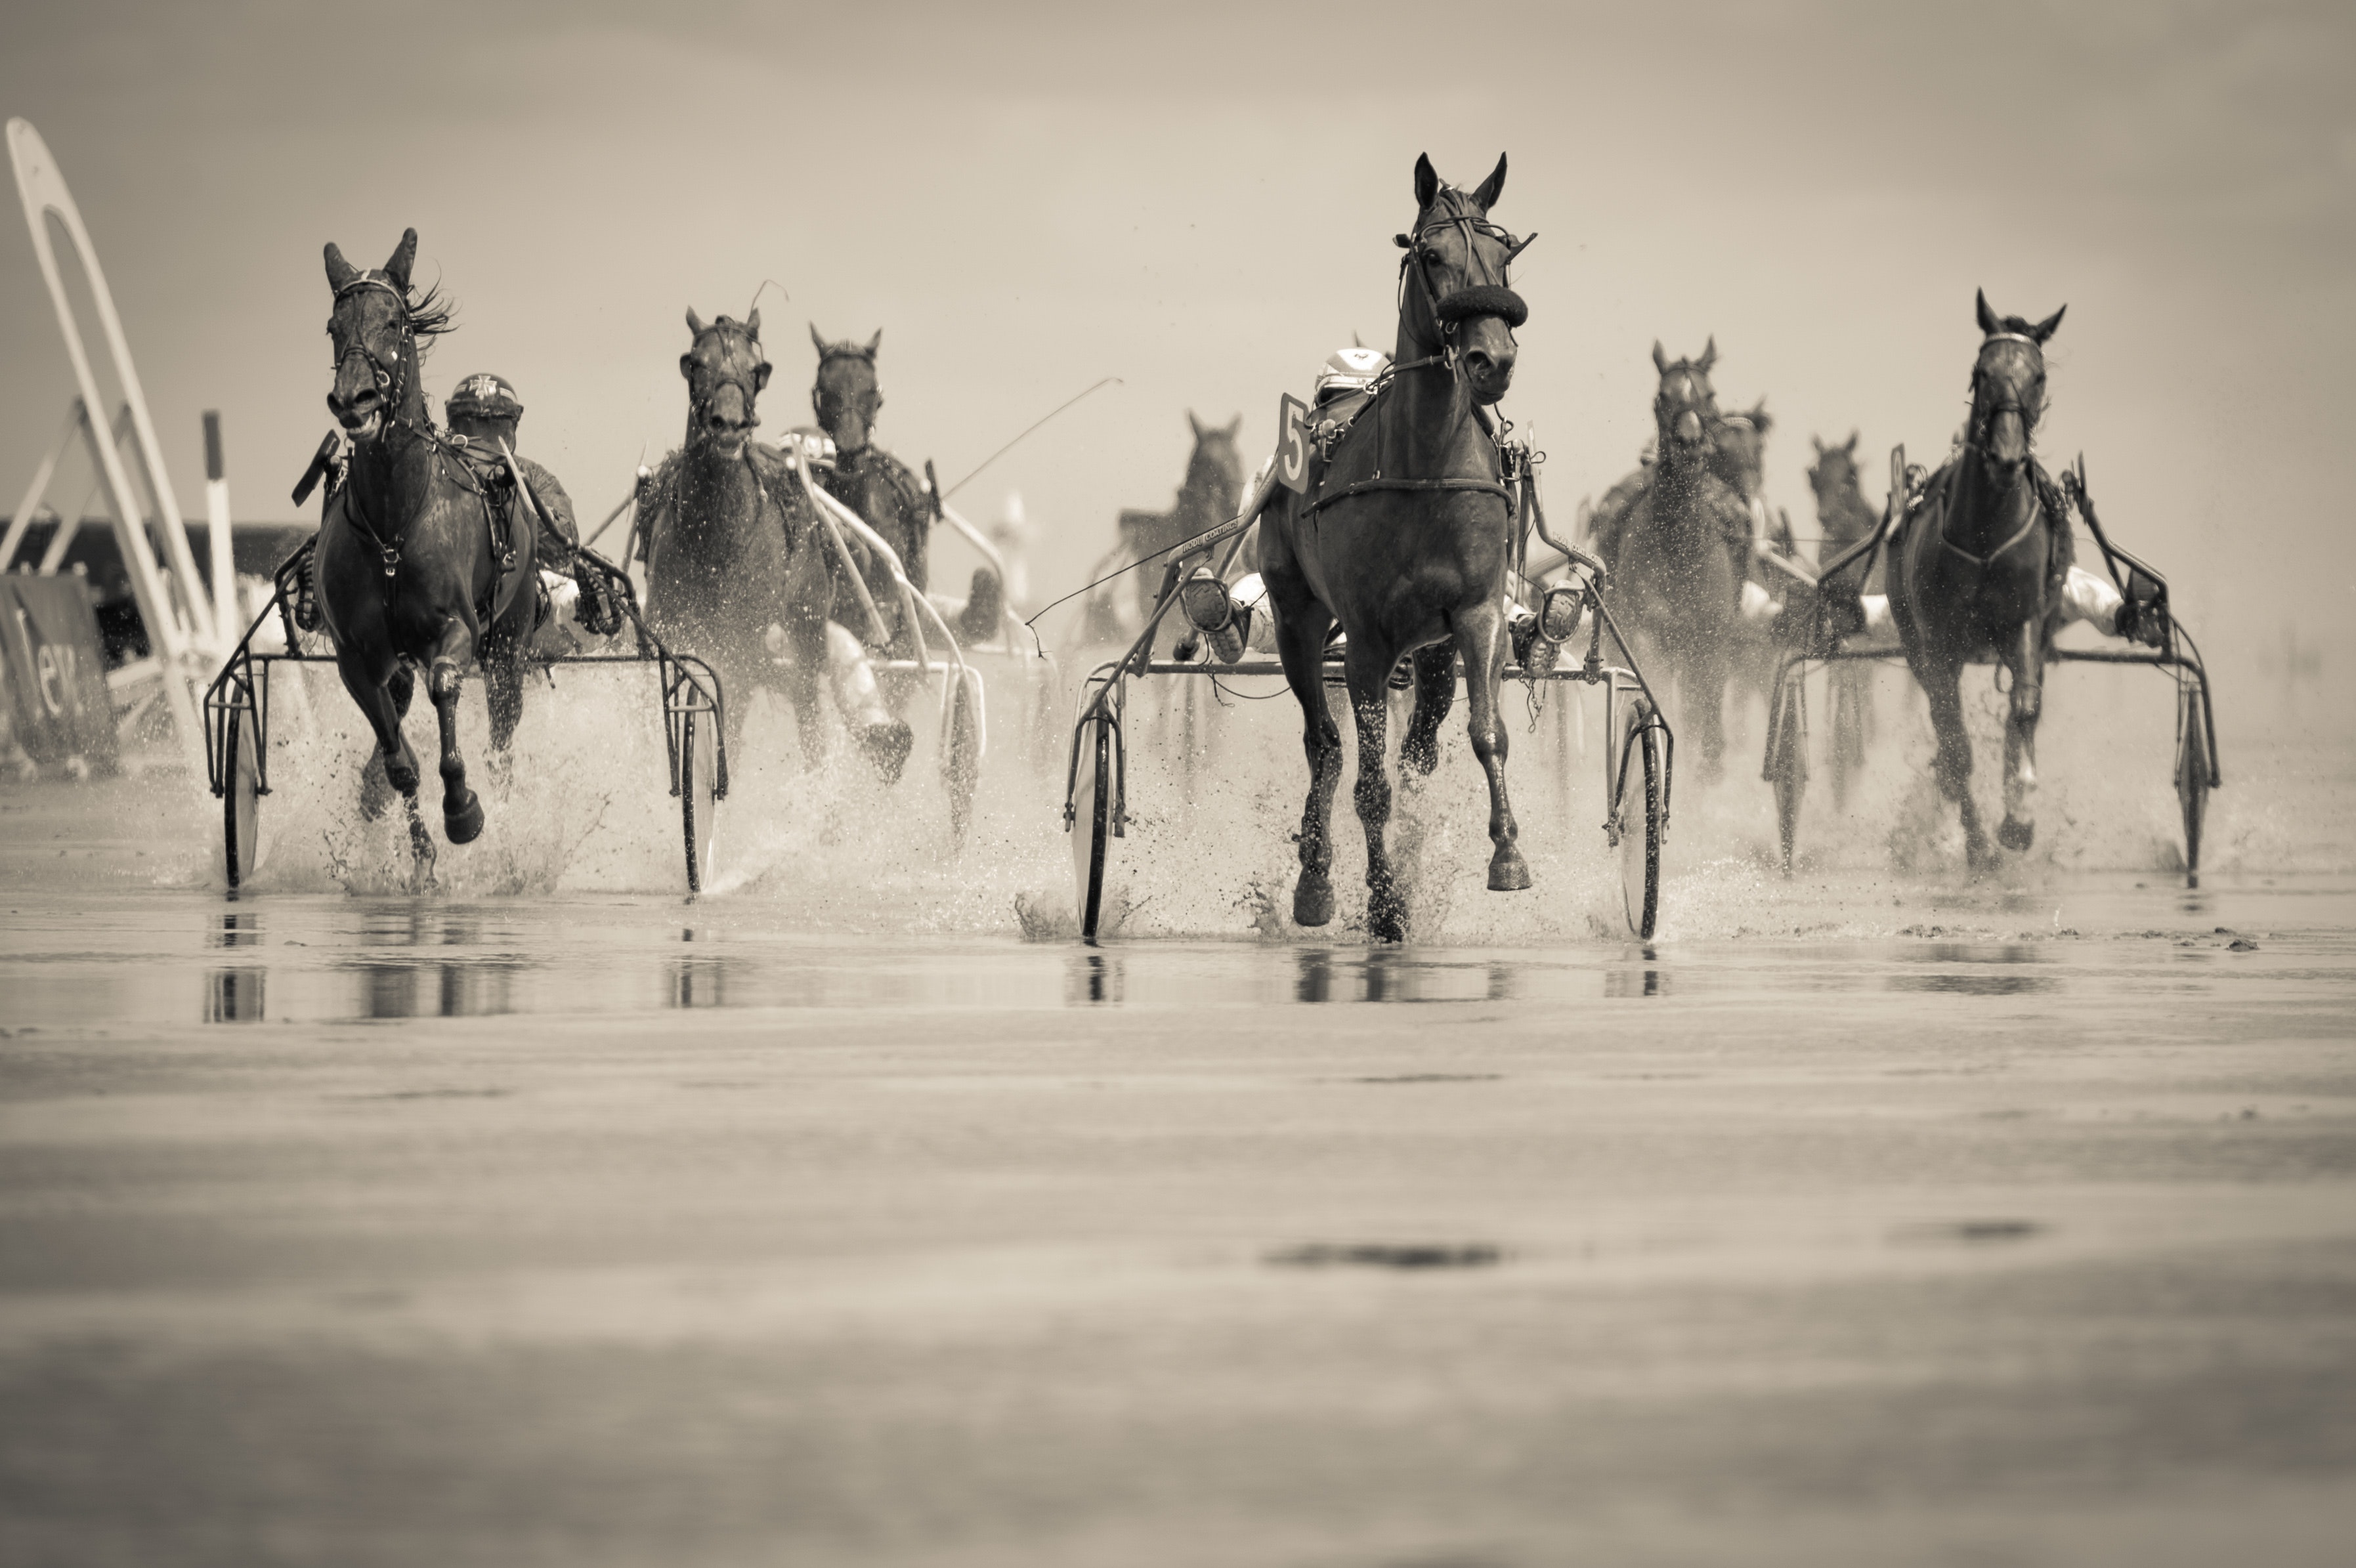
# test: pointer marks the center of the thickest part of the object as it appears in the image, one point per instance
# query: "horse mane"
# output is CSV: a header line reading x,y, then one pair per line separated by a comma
x,y
431,313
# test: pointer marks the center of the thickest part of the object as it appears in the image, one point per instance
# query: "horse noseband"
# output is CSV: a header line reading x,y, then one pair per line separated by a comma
x,y
1481,299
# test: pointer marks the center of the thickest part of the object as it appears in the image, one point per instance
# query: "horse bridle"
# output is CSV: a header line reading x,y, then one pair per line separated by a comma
x,y
1451,310
2011,404
724,378
390,383
844,351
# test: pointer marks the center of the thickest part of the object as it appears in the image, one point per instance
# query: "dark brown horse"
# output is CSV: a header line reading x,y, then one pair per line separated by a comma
x,y
1679,548
419,564
866,478
731,546
1843,515
1975,574
1403,537
1211,492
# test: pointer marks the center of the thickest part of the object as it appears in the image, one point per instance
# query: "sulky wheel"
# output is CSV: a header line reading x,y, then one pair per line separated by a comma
x,y
2192,772
241,799
961,769
1091,828
698,780
1642,815
1787,758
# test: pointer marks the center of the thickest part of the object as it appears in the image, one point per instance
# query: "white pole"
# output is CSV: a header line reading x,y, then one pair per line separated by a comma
x,y
226,618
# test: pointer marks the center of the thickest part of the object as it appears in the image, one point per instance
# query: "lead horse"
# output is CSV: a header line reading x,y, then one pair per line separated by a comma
x,y
1975,576
1405,539
417,565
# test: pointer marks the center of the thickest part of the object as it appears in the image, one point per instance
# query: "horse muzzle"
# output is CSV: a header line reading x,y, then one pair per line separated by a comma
x,y
361,415
1687,429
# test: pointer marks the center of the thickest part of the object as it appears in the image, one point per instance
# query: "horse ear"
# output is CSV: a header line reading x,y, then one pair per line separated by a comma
x,y
1660,360
1987,318
1819,442
1709,354
2046,328
1235,427
752,324
340,272
403,256
817,340
1195,425
875,343
1490,189
1850,445
1427,181
694,322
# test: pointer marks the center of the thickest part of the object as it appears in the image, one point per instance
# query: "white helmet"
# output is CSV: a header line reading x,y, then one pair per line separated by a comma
x,y
1349,370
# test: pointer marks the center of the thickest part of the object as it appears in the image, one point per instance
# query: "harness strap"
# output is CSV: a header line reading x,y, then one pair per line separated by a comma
x,y
1366,486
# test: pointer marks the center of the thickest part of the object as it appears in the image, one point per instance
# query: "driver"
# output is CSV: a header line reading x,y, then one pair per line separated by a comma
x,y
483,411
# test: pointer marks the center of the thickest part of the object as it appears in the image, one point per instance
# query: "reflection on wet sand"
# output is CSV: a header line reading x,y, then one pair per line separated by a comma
x,y
1630,980
1978,982
698,981
1094,979
1392,975
235,996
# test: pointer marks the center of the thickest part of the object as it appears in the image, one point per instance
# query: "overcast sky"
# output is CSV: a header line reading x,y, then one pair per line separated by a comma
x,y
1200,200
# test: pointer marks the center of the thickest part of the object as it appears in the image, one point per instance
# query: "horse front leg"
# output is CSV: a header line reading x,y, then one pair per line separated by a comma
x,y
1435,694
1701,682
1301,624
1368,668
1952,767
462,812
1481,638
2027,661
804,673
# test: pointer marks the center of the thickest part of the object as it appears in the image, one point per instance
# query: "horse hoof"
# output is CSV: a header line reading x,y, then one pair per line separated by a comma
x,y
886,746
1508,872
1312,900
463,823
1385,917
2015,835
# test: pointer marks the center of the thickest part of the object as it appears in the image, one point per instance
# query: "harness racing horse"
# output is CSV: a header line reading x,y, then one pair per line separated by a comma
x,y
1975,575
1403,537
1842,520
417,565
1212,491
1843,515
1677,549
731,546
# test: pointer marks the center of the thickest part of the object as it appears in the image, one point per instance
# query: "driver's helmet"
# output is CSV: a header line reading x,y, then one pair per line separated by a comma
x,y
1348,371
484,397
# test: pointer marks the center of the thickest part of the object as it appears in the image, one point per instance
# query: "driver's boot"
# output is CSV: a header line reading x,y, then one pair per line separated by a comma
x,y
860,701
1213,612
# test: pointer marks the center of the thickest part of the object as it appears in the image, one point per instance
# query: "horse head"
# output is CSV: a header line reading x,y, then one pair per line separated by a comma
x,y
1833,472
844,396
1685,410
2007,386
1214,474
1743,447
375,325
1461,305
725,371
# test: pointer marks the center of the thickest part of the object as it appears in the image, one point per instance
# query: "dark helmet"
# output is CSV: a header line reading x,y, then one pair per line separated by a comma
x,y
484,397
